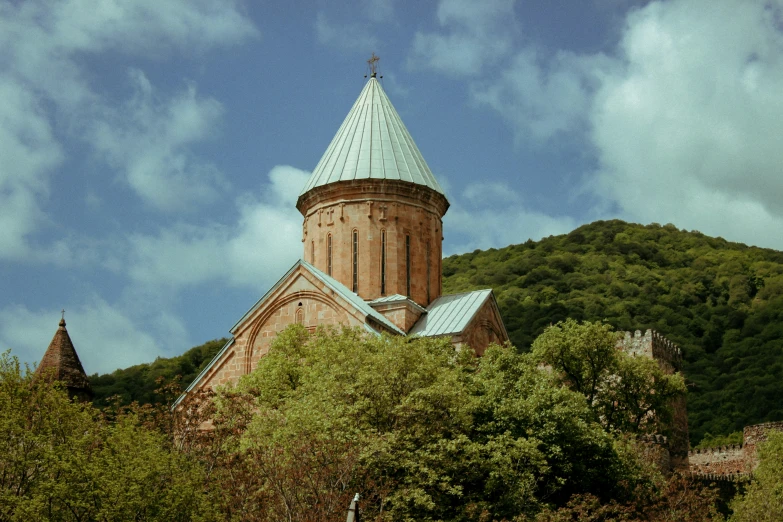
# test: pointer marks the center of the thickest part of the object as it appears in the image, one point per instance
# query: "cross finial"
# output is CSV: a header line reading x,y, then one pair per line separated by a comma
x,y
63,313
373,63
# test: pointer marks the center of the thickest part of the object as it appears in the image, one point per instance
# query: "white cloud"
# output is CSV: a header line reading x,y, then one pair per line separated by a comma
x,y
688,130
683,116
253,252
106,337
543,96
494,215
28,151
149,140
475,35
43,46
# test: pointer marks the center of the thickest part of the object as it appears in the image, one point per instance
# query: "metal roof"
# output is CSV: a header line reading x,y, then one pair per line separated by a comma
x,y
396,298
332,283
352,298
450,314
372,143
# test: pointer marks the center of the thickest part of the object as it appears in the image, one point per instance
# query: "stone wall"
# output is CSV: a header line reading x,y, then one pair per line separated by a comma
x,y
373,208
301,299
669,357
734,461
485,328
724,460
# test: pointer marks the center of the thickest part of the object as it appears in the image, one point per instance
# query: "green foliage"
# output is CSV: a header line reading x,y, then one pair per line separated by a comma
x,y
422,431
139,383
64,461
629,394
721,302
714,441
763,500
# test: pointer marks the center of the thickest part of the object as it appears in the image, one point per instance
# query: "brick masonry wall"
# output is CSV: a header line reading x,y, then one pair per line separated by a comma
x,y
484,329
401,314
302,299
372,207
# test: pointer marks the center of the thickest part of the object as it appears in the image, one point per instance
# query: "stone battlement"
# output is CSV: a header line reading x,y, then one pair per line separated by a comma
x,y
732,459
715,451
654,345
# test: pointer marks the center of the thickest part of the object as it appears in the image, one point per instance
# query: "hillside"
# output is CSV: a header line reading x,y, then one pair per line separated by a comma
x,y
139,382
722,302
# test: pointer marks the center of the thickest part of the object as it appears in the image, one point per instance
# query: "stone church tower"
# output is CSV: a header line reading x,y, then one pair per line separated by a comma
x,y
372,233
372,208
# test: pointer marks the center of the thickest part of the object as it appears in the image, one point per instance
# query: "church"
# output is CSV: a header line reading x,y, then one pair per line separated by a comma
x,y
372,236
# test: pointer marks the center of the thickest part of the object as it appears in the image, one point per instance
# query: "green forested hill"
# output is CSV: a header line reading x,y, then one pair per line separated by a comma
x,y
722,302
139,382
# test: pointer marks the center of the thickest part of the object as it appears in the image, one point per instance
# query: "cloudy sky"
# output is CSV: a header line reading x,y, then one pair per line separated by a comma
x,y
151,152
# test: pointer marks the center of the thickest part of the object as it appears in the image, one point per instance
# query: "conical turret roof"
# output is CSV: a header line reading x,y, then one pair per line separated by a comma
x,y
62,363
372,143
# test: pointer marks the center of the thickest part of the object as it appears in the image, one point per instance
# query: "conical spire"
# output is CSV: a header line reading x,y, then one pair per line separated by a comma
x,y
61,363
372,143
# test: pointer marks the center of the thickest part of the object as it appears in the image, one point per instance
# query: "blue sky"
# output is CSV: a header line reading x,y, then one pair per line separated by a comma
x,y
151,152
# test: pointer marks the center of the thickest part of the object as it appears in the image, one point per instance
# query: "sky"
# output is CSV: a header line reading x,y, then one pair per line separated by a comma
x,y
151,152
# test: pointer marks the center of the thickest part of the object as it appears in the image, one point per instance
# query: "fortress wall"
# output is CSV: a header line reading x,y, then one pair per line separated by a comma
x,y
724,460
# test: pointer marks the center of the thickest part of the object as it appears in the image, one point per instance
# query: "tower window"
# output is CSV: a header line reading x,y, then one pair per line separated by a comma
x,y
408,265
383,262
355,258
312,252
329,254
428,272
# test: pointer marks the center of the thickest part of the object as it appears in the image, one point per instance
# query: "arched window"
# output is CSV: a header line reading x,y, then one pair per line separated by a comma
x,y
299,316
329,254
355,260
407,265
383,262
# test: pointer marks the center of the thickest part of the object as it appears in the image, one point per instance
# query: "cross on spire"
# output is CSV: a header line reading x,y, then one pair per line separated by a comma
x,y
373,63
63,313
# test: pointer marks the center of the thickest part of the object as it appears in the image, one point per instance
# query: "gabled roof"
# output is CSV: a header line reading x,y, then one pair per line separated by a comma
x,y
62,363
372,143
339,288
332,283
450,314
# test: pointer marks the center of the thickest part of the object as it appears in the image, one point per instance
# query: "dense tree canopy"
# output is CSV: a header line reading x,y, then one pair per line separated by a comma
x,y
722,302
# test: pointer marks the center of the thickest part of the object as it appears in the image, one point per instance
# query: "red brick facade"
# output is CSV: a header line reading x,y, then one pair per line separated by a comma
x,y
407,217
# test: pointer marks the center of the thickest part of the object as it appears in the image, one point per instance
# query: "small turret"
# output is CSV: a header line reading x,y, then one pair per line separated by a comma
x,y
61,363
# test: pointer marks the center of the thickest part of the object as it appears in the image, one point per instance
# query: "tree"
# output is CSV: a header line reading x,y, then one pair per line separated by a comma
x,y
763,500
420,430
629,394
62,460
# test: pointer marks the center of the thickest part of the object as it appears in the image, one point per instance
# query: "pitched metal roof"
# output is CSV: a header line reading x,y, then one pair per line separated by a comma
x,y
372,143
352,298
450,314
396,298
62,363
332,283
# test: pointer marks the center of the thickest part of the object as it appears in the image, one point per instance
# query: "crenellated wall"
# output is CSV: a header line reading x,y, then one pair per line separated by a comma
x,y
735,461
